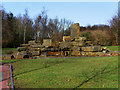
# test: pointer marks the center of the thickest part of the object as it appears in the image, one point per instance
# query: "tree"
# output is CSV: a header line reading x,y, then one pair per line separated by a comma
x,y
8,29
6,32
13,29
114,27
53,30
27,27
41,25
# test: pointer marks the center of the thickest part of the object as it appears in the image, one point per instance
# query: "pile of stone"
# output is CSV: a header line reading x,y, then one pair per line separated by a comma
x,y
79,46
72,45
32,49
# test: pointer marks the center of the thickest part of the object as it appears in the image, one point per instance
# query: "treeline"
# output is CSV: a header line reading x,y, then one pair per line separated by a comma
x,y
105,35
13,29
20,29
99,35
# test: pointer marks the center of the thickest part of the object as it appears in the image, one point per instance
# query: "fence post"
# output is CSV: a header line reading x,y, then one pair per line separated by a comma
x,y
11,77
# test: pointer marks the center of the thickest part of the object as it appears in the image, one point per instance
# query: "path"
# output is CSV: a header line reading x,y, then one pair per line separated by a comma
x,y
4,76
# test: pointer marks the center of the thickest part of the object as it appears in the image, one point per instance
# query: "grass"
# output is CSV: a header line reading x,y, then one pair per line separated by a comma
x,y
113,48
92,72
6,50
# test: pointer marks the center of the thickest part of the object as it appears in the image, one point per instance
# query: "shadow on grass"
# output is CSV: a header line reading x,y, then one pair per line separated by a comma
x,y
12,61
90,78
46,65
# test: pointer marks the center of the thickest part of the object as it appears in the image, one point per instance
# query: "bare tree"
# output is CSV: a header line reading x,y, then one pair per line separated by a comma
x,y
114,27
27,25
41,25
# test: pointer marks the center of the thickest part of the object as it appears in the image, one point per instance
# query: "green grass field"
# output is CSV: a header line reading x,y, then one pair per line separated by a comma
x,y
6,50
113,48
92,72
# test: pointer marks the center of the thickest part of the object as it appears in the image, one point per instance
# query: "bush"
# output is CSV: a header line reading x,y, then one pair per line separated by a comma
x,y
9,52
99,37
86,34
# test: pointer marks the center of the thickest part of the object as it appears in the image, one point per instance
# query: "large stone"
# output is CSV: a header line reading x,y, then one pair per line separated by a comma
x,y
115,53
88,43
31,42
20,53
53,53
80,39
25,45
63,45
75,48
76,53
18,56
35,53
66,38
89,54
80,43
42,49
36,46
91,48
21,49
47,42
75,30
34,49
52,49
6,57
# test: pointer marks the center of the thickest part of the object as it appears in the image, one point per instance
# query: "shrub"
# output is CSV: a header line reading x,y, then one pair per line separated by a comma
x,y
86,34
9,52
99,37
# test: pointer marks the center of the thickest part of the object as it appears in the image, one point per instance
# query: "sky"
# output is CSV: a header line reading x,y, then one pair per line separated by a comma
x,y
84,13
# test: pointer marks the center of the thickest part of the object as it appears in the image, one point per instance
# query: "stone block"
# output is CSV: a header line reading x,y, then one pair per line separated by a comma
x,y
21,49
80,39
91,48
75,30
76,53
35,53
18,56
114,53
6,57
31,42
36,46
66,38
81,43
47,42
63,45
24,45
75,48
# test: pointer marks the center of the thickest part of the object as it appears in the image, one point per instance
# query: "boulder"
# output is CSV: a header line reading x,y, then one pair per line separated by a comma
x,y
35,53
91,49
75,43
6,57
75,30
66,38
63,45
24,45
21,49
31,42
47,42
80,39
76,53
